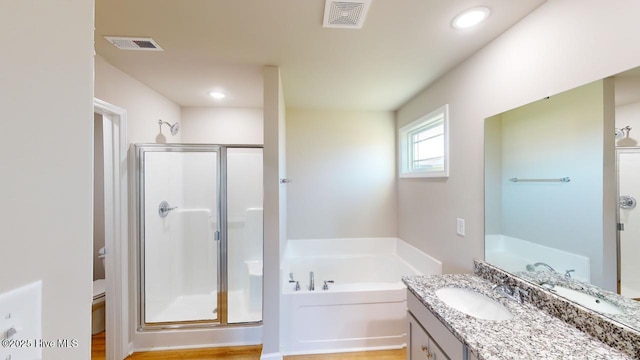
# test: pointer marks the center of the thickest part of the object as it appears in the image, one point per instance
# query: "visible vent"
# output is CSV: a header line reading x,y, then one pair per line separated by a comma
x,y
345,14
131,43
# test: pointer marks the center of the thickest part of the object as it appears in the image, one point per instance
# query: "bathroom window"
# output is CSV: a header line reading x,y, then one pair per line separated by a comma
x,y
424,145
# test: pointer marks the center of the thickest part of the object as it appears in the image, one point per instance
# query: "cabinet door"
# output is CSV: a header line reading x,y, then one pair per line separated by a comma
x,y
418,346
447,342
436,352
421,345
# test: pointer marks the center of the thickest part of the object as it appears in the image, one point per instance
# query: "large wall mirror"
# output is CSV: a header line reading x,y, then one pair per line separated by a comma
x,y
562,176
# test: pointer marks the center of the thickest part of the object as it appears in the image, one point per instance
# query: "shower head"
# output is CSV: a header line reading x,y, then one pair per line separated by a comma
x,y
620,132
174,128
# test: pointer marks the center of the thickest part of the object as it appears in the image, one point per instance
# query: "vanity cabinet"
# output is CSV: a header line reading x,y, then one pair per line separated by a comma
x,y
428,338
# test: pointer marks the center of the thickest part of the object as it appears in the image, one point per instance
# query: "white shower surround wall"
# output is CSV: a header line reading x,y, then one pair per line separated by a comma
x,y
366,306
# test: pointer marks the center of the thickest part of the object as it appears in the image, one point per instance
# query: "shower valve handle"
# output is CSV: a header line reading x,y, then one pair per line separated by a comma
x,y
326,284
163,209
627,202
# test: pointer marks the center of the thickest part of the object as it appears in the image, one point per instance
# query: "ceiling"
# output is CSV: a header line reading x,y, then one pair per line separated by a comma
x,y
208,45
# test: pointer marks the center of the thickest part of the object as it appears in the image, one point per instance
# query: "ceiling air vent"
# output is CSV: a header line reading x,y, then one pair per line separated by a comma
x,y
132,43
345,14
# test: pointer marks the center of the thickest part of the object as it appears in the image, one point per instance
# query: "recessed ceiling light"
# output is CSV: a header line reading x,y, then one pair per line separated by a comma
x,y
217,95
470,18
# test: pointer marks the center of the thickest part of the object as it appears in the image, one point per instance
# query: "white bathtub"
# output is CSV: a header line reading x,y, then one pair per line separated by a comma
x,y
364,309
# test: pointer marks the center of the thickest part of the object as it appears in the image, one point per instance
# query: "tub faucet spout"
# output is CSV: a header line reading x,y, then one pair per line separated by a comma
x,y
312,285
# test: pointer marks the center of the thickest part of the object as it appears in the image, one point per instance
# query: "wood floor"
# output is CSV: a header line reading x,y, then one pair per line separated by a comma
x,y
98,346
238,353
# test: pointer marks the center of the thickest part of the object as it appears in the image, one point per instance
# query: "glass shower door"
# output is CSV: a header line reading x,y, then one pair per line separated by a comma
x,y
180,232
629,218
244,230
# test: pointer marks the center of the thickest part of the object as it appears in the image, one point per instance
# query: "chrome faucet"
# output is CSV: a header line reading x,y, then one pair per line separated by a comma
x,y
312,285
512,293
291,281
326,284
546,266
567,273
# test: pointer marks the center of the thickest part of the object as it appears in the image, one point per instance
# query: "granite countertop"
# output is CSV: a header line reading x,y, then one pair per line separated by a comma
x,y
530,334
631,308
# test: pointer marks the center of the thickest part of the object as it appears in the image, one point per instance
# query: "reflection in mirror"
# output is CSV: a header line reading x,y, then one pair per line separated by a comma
x,y
536,217
628,171
551,202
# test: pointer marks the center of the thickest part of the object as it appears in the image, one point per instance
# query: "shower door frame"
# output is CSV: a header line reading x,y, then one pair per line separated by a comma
x,y
222,264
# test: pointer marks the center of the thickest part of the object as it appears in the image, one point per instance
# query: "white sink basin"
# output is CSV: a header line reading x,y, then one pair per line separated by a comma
x,y
586,300
473,303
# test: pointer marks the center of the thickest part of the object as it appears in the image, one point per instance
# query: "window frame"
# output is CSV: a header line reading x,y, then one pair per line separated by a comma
x,y
405,145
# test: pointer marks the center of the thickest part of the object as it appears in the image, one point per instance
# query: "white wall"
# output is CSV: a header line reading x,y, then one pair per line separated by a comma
x,y
144,106
561,45
222,125
46,96
343,168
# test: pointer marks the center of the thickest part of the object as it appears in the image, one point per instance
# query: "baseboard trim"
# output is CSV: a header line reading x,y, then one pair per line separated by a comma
x,y
271,356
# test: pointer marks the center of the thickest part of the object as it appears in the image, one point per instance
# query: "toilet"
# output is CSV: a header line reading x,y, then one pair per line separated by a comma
x,y
99,297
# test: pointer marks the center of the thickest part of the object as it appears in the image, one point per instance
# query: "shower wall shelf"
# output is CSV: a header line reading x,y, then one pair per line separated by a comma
x,y
564,179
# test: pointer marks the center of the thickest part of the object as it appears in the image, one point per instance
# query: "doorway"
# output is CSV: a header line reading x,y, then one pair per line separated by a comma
x,y
114,135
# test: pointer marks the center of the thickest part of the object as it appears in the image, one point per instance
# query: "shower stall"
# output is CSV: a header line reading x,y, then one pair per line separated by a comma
x,y
199,227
